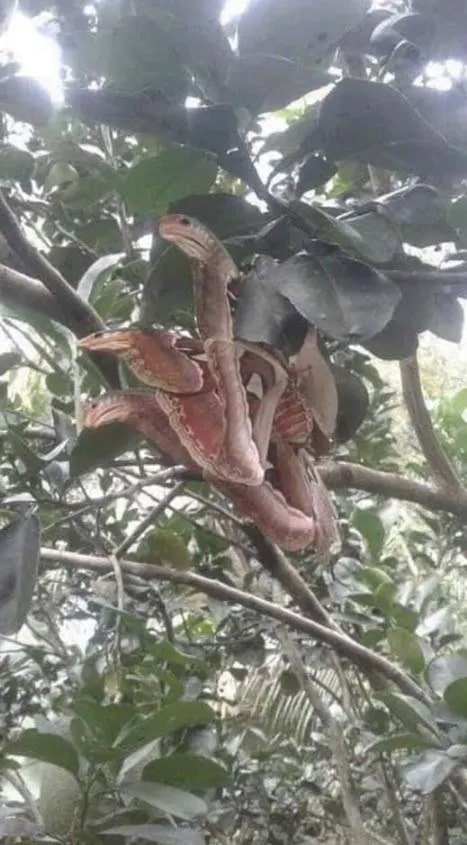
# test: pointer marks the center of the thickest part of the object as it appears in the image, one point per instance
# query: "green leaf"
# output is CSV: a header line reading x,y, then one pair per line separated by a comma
x,y
455,696
428,771
265,83
298,29
353,403
395,743
47,747
187,771
156,833
406,647
373,123
371,528
19,556
136,53
411,712
149,186
164,546
16,165
94,272
169,799
98,447
289,683
342,297
443,671
167,720
104,721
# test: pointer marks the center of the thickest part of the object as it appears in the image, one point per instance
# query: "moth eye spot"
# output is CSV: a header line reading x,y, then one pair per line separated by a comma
x,y
185,221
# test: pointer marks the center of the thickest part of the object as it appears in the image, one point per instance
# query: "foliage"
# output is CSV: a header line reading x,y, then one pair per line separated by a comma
x,y
138,705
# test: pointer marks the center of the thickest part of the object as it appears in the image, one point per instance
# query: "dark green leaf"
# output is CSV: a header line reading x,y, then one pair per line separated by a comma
x,y
455,696
47,747
167,720
396,742
263,315
429,770
373,123
447,317
15,164
169,799
187,771
342,297
19,556
353,403
411,712
92,274
371,237
98,447
136,54
290,684
299,29
315,171
149,186
265,82
406,647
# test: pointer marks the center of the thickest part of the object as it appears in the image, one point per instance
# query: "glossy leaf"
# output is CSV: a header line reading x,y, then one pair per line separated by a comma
x,y
167,720
98,447
455,696
406,647
428,771
157,833
443,671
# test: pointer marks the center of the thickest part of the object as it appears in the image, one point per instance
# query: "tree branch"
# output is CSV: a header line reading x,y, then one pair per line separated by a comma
x,y
38,265
421,421
19,290
341,643
343,475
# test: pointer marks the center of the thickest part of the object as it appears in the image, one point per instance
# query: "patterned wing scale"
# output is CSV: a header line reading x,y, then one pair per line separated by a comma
x,y
294,419
287,526
153,356
199,424
142,412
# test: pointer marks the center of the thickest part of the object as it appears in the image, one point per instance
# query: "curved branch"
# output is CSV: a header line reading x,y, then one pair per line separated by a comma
x,y
343,475
37,264
341,643
421,421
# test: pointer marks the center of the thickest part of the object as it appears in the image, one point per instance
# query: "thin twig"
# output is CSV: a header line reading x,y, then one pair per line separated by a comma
x,y
434,453
341,643
149,519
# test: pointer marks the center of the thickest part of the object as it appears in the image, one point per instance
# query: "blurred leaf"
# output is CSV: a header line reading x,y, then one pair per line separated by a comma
x,y
396,742
371,527
156,833
442,671
406,647
265,82
149,186
136,53
92,274
455,696
447,318
98,447
47,747
428,771
187,771
411,712
167,720
315,171
289,683
25,99
169,799
163,546
8,360
16,164
299,30
353,403
373,123
19,557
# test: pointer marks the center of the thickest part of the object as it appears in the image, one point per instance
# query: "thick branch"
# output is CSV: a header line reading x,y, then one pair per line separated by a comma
x,y
67,298
342,644
342,475
434,453
19,290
